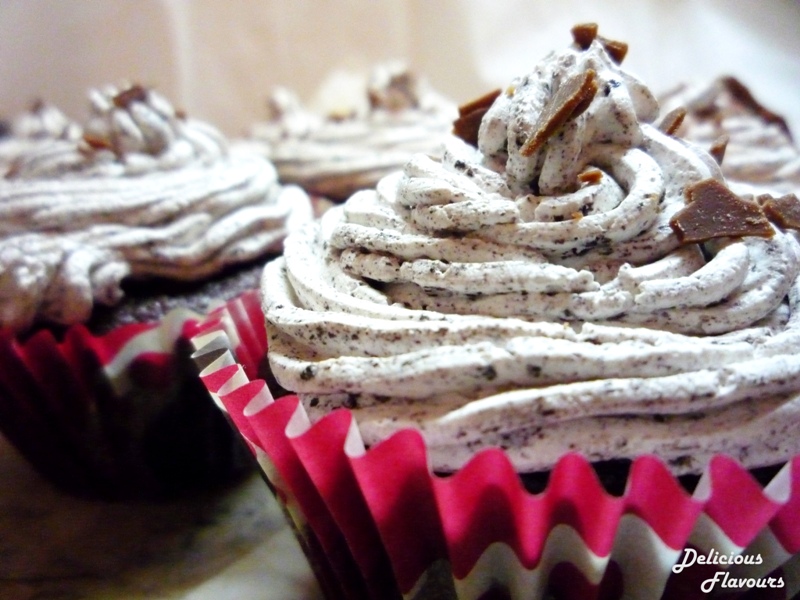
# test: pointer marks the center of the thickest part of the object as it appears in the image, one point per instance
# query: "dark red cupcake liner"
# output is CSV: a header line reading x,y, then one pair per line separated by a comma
x,y
117,416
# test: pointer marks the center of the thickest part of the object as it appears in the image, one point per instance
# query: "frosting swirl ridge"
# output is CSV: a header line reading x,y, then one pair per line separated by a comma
x,y
143,193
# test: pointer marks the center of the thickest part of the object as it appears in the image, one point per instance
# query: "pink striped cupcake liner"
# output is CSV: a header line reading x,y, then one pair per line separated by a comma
x,y
377,523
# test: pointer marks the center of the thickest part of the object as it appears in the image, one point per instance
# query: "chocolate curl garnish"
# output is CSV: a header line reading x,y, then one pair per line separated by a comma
x,y
718,147
713,211
672,121
135,93
573,97
470,115
783,211
585,33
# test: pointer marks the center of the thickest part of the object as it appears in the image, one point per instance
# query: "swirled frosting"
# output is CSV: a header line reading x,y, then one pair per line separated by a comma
x,y
760,156
38,126
540,301
145,192
339,153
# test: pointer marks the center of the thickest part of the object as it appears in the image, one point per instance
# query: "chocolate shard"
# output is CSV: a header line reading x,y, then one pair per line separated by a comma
x,y
584,34
740,92
616,50
590,176
135,93
718,147
713,211
95,142
783,211
572,98
482,102
672,120
470,116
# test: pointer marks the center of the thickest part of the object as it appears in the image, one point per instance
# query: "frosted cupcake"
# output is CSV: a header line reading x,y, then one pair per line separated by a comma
x,y
535,293
352,146
571,283
145,201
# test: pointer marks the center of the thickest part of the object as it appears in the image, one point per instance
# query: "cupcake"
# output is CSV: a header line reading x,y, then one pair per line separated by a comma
x,y
359,139
571,292
114,242
754,144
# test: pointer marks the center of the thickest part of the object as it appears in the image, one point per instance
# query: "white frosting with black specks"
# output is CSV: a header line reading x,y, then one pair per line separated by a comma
x,y
336,155
145,192
446,300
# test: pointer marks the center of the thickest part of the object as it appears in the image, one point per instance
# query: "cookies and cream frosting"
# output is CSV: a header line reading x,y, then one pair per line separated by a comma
x,y
352,147
33,128
530,293
143,192
760,156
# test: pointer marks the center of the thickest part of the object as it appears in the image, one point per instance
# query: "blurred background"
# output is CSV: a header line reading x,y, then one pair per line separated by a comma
x,y
219,59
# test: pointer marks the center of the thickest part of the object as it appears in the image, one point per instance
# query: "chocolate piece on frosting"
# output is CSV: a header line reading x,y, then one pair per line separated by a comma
x,y
470,115
584,34
672,121
713,211
590,176
783,211
616,50
485,301
130,95
572,98
741,93
718,147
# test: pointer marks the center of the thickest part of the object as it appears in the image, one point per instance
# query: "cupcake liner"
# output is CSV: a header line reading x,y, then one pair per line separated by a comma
x,y
119,416
387,527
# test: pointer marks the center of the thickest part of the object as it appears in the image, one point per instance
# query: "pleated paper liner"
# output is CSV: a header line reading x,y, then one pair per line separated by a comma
x,y
118,416
378,524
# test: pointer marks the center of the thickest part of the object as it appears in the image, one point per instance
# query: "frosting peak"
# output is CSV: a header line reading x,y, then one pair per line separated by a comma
x,y
532,107
131,130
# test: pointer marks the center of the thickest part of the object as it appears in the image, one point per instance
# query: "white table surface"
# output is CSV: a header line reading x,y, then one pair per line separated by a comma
x,y
225,546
